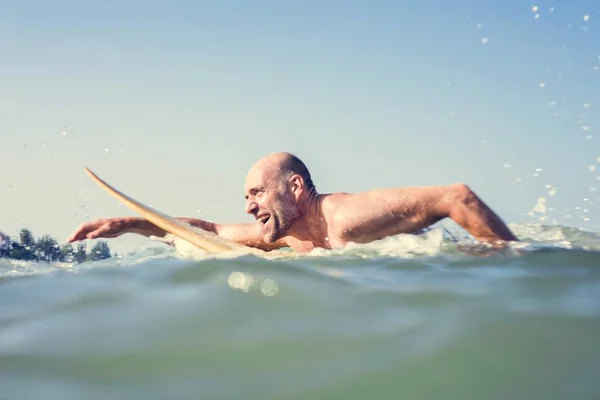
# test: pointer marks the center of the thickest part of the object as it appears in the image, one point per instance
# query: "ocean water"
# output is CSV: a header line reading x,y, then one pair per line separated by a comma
x,y
409,317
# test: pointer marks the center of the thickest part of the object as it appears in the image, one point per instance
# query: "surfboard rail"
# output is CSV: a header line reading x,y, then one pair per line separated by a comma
x,y
171,225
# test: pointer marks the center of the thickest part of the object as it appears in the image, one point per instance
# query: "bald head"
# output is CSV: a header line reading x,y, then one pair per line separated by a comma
x,y
283,165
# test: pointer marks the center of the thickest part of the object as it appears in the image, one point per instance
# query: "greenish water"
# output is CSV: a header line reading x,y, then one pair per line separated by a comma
x,y
405,318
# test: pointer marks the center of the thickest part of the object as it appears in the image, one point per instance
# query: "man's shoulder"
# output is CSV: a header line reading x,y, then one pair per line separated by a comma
x,y
333,202
358,214
337,207
341,202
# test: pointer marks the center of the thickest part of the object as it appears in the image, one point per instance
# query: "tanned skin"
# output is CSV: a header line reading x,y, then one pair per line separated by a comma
x,y
289,212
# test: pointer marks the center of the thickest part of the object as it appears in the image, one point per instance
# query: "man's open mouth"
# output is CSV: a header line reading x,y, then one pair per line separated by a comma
x,y
263,219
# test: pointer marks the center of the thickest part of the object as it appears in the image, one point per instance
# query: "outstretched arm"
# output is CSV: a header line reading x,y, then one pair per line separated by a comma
x,y
469,211
378,213
245,234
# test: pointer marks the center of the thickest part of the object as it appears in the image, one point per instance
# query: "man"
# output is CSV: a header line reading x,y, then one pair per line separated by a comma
x,y
289,212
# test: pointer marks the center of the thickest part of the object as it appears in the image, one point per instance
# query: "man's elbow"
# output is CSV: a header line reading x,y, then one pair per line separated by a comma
x,y
456,196
463,194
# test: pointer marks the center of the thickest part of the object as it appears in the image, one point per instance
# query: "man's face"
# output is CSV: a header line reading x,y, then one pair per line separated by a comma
x,y
270,200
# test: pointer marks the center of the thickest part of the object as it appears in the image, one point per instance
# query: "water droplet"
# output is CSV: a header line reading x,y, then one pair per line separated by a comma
x,y
586,105
552,103
540,207
240,281
269,287
535,9
536,16
551,9
542,85
589,137
598,160
507,166
592,168
585,128
479,26
484,40
586,18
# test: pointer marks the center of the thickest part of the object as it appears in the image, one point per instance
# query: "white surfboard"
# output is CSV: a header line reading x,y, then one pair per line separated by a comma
x,y
171,225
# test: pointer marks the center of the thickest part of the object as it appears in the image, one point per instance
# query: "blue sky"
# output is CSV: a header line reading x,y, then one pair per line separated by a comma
x,y
173,101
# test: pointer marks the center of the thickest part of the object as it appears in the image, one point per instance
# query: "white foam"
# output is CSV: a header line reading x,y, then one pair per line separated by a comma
x,y
403,245
427,244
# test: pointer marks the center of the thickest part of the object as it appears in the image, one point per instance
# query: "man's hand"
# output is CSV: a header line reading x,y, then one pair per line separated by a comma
x,y
104,228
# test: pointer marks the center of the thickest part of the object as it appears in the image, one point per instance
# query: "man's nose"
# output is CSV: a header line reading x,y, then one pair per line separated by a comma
x,y
251,207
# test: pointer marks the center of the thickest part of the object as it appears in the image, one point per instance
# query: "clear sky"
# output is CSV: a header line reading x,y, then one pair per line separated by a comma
x,y
173,101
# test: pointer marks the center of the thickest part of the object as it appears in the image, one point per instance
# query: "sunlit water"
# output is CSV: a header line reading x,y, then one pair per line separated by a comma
x,y
410,317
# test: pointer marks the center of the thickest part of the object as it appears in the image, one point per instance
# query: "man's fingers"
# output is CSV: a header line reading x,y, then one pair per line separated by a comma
x,y
95,229
87,231
97,233
103,231
79,234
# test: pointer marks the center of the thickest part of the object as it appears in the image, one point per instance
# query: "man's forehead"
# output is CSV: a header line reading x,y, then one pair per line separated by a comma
x,y
256,177
260,175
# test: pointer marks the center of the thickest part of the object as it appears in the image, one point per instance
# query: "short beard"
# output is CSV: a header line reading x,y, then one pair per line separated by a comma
x,y
285,215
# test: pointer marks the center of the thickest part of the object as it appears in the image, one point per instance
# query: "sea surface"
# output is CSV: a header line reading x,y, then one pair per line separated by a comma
x,y
409,317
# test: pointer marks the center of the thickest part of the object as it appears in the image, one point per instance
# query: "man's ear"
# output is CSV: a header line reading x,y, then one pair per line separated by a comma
x,y
296,184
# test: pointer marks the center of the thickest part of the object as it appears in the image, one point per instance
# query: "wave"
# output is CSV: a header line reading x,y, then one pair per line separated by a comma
x,y
538,243
436,241
168,322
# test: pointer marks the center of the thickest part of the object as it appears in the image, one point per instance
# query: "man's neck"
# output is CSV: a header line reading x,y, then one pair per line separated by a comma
x,y
312,225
